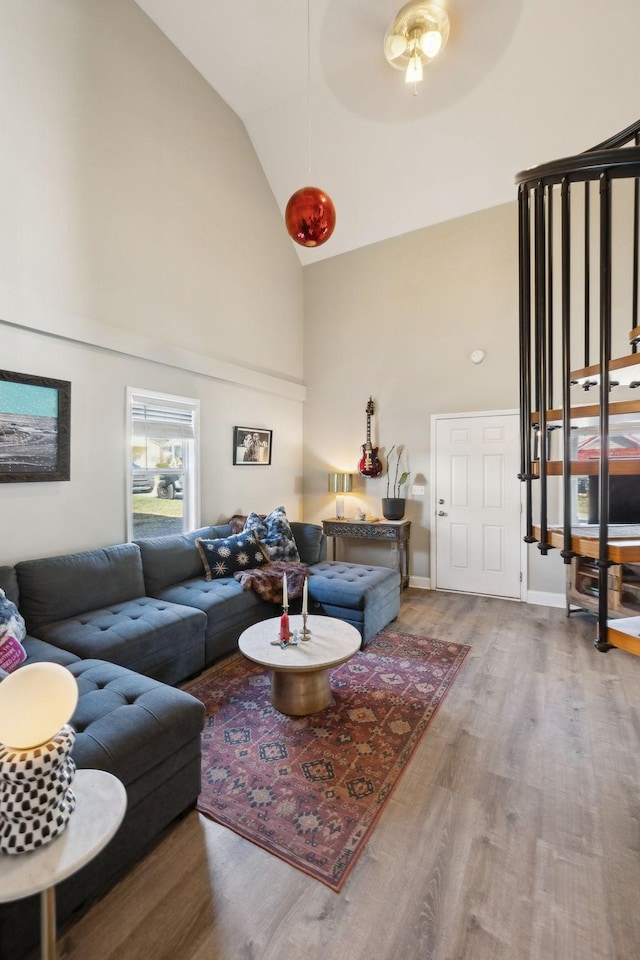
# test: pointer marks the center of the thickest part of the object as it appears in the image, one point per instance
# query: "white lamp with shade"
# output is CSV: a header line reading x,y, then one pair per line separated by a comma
x,y
36,771
340,483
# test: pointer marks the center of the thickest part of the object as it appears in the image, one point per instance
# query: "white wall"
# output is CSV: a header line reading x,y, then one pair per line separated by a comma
x,y
140,245
399,320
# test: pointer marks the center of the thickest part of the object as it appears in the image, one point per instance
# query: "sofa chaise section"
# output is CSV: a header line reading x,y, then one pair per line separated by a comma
x,y
367,597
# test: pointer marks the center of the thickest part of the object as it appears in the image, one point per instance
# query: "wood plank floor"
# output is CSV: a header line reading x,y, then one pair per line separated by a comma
x,y
513,834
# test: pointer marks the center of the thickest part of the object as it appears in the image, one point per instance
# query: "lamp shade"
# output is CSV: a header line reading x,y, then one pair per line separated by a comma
x,y
340,483
35,702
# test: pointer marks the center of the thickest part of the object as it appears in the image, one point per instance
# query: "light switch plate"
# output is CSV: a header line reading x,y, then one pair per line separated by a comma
x,y
417,491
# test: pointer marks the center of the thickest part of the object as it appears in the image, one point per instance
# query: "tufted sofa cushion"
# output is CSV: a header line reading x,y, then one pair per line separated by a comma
x,y
55,588
160,639
350,584
366,597
128,724
228,608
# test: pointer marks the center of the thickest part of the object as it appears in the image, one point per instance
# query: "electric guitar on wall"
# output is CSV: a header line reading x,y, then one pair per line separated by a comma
x,y
369,465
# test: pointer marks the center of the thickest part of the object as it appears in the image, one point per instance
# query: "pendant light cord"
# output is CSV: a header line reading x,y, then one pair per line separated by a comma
x,y
309,86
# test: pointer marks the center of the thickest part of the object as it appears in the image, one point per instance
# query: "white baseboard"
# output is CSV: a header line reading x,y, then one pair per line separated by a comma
x,y
422,583
546,599
533,596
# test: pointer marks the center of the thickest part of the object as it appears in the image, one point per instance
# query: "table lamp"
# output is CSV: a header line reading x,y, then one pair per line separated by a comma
x,y
36,770
339,483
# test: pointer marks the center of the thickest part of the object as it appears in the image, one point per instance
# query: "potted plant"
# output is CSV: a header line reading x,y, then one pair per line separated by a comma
x,y
393,506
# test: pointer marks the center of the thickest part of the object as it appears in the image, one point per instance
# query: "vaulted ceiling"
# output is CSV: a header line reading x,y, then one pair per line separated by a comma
x,y
520,82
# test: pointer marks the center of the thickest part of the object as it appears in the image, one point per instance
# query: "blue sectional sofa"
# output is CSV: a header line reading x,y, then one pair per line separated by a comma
x,y
131,622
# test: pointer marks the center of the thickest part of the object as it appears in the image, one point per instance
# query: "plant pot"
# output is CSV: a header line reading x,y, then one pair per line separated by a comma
x,y
393,508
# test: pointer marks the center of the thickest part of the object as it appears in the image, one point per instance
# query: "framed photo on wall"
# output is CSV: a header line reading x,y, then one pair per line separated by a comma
x,y
35,428
252,446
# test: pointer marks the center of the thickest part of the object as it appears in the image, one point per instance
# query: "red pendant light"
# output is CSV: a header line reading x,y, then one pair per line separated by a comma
x,y
310,217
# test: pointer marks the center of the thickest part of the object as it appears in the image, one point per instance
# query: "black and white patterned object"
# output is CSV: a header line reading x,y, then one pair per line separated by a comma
x,y
36,799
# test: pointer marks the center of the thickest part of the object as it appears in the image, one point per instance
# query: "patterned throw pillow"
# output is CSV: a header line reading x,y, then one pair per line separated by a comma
x,y
274,533
12,632
223,558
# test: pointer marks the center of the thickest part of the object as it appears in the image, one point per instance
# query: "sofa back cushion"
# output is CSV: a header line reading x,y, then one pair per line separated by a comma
x,y
56,588
174,559
310,540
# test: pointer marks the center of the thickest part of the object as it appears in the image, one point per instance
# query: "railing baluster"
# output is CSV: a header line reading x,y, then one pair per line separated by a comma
x,y
587,271
567,552
605,356
540,288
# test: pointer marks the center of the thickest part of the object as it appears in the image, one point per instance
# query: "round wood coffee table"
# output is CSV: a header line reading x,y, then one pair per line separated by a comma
x,y
300,681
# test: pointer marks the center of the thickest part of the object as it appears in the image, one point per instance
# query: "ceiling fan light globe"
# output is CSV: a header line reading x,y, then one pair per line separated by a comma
x,y
431,43
394,46
414,70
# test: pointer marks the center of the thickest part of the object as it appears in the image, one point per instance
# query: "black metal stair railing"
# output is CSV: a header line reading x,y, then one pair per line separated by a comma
x,y
548,275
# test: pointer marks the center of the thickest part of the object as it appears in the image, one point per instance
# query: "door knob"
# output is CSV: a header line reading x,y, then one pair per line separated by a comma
x,y
441,513
440,501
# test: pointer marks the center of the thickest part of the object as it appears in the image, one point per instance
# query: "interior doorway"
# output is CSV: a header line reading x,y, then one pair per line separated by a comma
x,y
476,536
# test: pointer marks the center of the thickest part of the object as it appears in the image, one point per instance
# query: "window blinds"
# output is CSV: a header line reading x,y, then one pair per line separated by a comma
x,y
167,419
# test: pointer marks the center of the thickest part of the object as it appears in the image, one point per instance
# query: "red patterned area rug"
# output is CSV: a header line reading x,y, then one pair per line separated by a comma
x,y
310,789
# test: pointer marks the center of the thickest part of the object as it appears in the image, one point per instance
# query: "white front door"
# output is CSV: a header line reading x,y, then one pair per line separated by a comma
x,y
477,522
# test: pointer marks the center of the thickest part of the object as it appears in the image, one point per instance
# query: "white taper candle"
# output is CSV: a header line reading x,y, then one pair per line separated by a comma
x,y
304,597
285,593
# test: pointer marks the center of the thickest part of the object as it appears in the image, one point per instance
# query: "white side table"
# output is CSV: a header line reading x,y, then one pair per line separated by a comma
x,y
101,802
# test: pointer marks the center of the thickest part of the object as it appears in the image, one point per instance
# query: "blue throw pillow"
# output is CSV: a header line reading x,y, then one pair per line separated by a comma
x,y
274,533
224,557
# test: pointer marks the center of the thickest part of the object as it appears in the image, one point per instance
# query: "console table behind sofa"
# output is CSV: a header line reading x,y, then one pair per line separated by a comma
x,y
397,532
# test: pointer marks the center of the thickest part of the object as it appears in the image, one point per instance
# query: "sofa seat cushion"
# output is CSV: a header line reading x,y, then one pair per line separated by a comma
x,y
366,597
221,600
156,638
55,588
39,651
129,725
351,585
229,610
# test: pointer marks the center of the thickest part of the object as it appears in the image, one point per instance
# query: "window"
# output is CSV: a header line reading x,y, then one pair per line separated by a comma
x,y
162,464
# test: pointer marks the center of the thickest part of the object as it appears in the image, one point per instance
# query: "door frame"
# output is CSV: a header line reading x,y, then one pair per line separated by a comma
x,y
433,565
